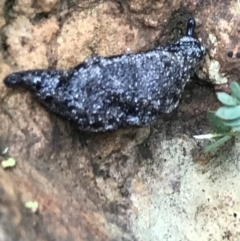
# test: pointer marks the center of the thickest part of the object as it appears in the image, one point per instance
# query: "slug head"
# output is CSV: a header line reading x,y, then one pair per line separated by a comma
x,y
189,47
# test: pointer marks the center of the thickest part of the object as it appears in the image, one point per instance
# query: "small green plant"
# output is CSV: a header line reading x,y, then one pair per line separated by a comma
x,y
226,120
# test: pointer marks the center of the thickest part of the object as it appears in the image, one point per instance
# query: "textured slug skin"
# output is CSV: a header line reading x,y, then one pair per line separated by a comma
x,y
104,94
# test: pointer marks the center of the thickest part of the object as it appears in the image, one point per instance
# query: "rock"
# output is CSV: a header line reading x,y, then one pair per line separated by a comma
x,y
131,184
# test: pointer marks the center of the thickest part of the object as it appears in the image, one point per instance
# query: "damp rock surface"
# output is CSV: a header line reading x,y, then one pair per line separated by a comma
x,y
140,184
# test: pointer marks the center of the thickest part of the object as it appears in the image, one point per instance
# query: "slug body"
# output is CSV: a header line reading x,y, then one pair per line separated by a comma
x,y
104,94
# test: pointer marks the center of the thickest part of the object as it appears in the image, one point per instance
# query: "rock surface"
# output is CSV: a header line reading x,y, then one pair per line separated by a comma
x,y
132,184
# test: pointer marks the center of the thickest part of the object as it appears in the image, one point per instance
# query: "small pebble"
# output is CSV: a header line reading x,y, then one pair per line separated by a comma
x,y
230,54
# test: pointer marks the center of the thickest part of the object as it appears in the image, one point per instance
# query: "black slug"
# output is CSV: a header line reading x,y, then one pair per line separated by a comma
x,y
106,93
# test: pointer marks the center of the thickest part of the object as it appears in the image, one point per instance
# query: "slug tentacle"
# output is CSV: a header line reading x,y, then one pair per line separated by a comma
x,y
190,27
106,93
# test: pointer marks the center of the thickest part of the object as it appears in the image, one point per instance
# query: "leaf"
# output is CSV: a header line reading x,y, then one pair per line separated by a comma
x,y
217,143
236,128
208,136
217,123
10,162
228,113
227,99
235,89
32,205
232,123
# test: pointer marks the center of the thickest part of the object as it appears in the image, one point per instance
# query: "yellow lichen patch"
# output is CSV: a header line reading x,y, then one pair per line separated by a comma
x,y
214,72
32,205
10,162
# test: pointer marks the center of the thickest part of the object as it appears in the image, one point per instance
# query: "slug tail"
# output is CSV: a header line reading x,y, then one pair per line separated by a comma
x,y
13,80
38,81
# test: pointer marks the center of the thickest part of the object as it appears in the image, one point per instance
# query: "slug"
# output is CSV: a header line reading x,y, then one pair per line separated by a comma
x,y
107,93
